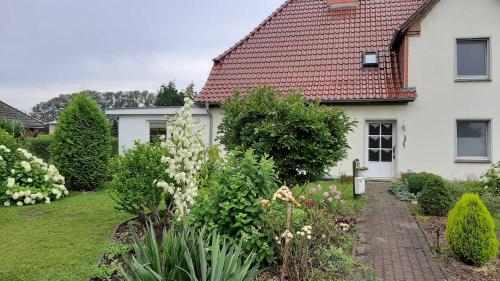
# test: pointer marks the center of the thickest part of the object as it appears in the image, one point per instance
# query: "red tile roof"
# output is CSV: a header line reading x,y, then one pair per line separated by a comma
x,y
306,45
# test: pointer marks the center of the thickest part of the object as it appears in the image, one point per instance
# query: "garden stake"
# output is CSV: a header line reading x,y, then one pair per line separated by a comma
x,y
287,241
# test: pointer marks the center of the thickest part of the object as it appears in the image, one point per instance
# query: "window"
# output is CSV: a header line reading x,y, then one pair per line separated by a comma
x,y
156,130
370,59
473,140
473,59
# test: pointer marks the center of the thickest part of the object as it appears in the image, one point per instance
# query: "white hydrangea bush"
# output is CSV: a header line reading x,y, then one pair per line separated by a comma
x,y
185,152
491,179
26,179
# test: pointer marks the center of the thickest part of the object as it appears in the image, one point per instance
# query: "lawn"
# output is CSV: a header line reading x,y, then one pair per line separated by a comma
x,y
57,241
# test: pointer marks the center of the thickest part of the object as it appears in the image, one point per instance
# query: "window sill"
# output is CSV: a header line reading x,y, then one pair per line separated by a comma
x,y
473,79
487,161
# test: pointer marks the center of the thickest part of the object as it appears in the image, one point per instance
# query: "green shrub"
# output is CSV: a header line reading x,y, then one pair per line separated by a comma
x,y
14,128
491,179
115,150
187,255
26,179
416,181
134,174
303,138
8,140
231,205
40,146
81,146
401,191
435,198
212,162
470,231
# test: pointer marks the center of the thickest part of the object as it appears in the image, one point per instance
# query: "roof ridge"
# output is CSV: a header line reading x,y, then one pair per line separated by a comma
x,y
27,115
277,11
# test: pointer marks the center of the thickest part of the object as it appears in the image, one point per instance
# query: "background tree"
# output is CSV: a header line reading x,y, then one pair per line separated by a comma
x,y
50,110
169,96
81,145
303,138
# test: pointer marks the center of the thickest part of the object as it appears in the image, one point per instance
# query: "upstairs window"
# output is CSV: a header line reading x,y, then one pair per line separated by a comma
x,y
370,59
156,130
473,59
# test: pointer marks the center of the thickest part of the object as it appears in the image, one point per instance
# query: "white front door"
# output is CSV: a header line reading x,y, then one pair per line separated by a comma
x,y
380,149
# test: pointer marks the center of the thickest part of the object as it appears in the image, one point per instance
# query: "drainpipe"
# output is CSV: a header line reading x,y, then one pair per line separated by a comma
x,y
210,123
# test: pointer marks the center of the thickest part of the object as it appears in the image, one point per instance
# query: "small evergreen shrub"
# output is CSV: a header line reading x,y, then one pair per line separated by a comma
x,y
416,181
231,202
40,146
470,231
7,140
81,146
435,198
135,174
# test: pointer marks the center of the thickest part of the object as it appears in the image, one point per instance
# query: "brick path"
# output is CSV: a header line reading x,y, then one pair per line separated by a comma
x,y
391,241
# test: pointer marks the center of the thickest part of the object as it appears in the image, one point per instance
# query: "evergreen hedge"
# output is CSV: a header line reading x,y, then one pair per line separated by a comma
x,y
40,146
81,147
470,231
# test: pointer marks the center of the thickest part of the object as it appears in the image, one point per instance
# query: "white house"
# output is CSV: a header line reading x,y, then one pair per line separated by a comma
x,y
420,76
149,123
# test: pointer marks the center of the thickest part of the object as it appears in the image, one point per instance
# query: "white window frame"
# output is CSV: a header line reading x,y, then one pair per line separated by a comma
x,y
148,127
487,77
474,159
370,65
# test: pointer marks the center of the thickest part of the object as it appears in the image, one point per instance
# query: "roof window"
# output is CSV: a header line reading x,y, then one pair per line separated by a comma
x,y
370,59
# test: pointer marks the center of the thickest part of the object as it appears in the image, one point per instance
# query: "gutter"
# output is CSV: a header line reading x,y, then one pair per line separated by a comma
x,y
210,122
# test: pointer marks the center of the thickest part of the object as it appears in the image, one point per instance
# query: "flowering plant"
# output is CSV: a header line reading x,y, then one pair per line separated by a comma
x,y
491,178
185,153
26,179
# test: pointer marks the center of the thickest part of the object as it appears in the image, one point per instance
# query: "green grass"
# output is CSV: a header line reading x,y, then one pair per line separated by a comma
x,y
60,241
347,193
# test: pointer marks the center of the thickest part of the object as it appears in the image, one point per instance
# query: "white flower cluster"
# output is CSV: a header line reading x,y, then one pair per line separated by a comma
x,y
285,194
34,182
305,231
491,178
344,226
184,155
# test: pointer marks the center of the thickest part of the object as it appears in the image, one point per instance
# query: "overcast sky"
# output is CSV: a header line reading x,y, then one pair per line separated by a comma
x,y
49,47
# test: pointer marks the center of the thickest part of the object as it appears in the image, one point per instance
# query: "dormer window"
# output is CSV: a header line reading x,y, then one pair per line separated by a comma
x,y
370,59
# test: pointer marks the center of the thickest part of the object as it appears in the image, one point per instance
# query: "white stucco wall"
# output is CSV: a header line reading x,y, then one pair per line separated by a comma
x,y
133,124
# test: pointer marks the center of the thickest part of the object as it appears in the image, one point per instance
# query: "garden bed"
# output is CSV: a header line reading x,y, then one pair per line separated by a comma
x,y
454,269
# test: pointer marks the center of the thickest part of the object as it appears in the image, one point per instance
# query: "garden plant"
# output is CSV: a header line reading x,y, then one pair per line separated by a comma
x,y
81,146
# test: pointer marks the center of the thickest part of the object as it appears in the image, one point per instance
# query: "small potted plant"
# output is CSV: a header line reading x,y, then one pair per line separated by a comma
x,y
361,171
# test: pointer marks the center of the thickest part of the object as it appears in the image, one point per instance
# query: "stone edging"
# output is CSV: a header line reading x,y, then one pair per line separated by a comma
x,y
427,238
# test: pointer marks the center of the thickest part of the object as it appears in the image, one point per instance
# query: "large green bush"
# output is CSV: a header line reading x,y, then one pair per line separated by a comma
x,y
435,198
8,140
303,138
40,146
81,146
470,231
135,174
416,181
230,203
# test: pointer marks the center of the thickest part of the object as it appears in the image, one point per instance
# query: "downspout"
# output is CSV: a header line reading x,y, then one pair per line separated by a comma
x,y
210,123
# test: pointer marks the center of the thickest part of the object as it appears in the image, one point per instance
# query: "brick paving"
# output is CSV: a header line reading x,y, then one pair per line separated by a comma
x,y
391,241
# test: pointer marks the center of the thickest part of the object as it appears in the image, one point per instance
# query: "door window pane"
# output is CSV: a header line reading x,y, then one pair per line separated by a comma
x,y
472,139
472,58
387,142
374,129
374,142
374,155
386,155
387,129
